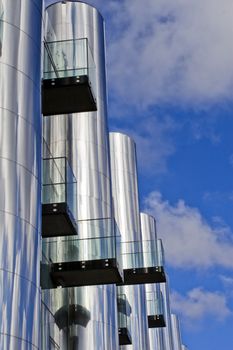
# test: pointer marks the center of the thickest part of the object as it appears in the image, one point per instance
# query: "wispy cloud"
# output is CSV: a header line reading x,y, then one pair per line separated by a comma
x,y
190,241
199,304
154,141
171,51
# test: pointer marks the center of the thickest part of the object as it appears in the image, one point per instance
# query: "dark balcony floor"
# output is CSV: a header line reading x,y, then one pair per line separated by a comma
x,y
124,336
156,321
57,220
80,273
67,95
144,275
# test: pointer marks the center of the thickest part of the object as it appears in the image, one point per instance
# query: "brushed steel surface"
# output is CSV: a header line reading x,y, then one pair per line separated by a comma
x,y
176,336
148,228
83,138
167,331
20,173
126,211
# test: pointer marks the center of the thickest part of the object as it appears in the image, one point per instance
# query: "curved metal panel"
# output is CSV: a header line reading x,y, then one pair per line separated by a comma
x,y
126,211
148,228
20,173
83,139
167,331
176,336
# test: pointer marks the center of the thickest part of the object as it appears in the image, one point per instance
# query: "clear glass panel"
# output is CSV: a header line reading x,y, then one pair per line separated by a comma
x,y
100,243
154,303
139,254
69,58
59,183
124,312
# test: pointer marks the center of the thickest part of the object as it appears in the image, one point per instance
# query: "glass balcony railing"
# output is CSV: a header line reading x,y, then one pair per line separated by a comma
x,y
155,304
69,58
143,262
94,259
59,183
142,254
124,323
71,248
155,309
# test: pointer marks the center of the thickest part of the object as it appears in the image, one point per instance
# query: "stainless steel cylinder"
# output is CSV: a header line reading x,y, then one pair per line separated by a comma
x,y
148,228
20,173
126,211
83,138
167,331
176,336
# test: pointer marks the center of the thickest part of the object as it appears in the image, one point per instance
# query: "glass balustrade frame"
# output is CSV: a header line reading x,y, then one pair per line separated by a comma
x,y
143,262
59,195
155,309
72,261
69,78
124,326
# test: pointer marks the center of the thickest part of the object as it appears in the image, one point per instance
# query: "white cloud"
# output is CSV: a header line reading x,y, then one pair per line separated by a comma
x,y
169,51
154,142
198,304
175,51
189,240
227,281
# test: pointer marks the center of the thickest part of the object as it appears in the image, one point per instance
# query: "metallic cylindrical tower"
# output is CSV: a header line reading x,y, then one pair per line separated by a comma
x,y
83,138
148,226
167,331
126,210
176,336
20,173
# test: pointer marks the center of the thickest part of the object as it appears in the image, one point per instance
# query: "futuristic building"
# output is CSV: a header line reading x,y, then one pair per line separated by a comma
x,y
80,267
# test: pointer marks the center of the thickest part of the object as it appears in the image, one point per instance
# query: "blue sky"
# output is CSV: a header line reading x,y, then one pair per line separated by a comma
x,y
170,79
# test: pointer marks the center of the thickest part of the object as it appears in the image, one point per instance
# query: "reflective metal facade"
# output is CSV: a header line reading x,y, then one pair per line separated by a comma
x,y
83,138
20,173
126,211
148,226
167,331
176,332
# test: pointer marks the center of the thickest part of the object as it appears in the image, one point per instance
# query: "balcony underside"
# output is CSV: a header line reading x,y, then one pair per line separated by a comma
x,y
156,321
73,314
67,95
124,336
57,220
144,275
80,273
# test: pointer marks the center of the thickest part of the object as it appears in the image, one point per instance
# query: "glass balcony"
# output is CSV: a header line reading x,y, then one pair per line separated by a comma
x,y
143,262
124,312
155,309
71,262
69,82
58,198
